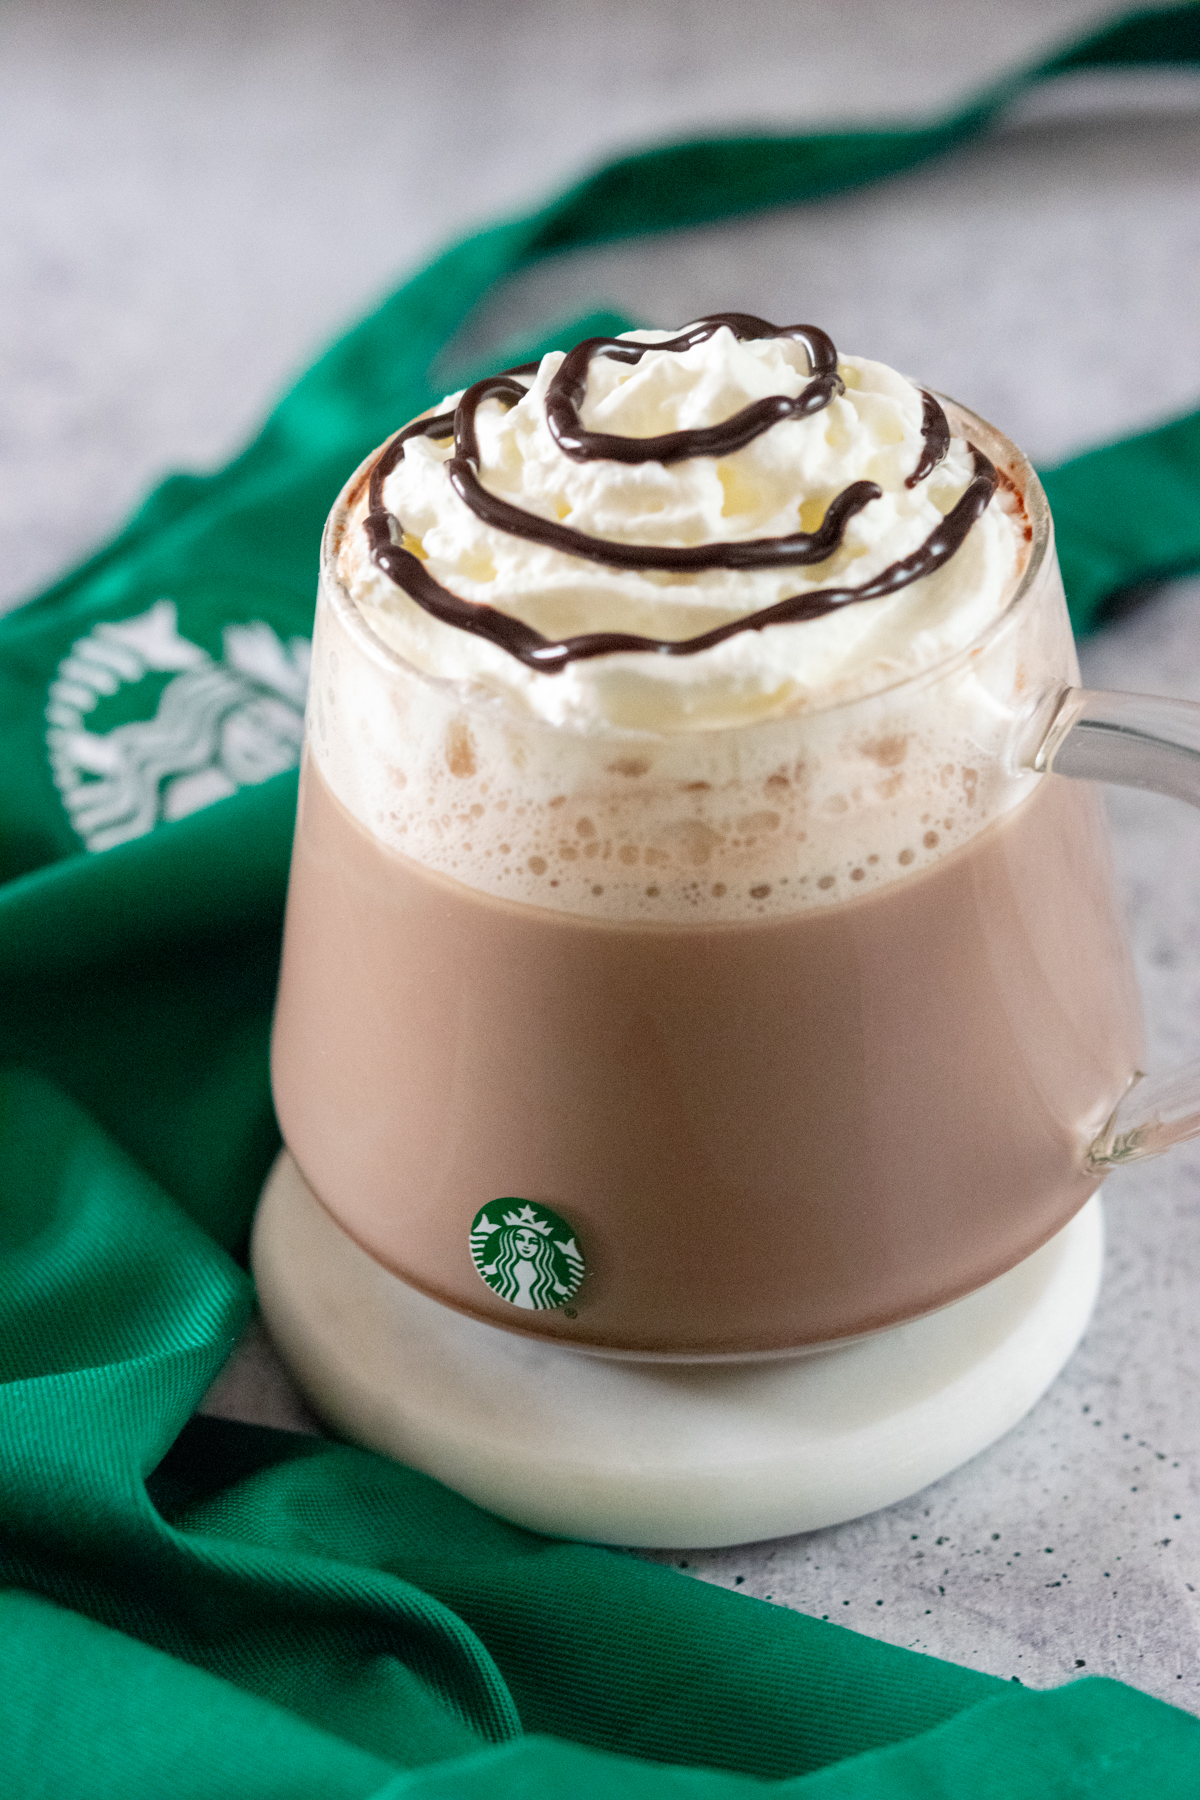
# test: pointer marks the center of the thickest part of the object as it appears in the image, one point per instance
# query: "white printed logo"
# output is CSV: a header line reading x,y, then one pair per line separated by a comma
x,y
217,727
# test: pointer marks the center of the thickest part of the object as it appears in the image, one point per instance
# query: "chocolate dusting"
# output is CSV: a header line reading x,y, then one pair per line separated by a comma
x,y
563,400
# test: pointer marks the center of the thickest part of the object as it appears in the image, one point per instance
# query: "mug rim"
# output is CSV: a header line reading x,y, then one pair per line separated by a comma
x,y
471,694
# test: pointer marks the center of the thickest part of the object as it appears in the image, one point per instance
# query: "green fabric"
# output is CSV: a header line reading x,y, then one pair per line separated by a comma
x,y
1127,514
204,1608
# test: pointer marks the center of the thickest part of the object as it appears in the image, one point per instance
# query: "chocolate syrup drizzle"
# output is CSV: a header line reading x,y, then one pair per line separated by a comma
x,y
563,401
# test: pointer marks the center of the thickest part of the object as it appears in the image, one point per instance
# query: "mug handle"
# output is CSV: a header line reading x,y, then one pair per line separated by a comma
x,y
1139,741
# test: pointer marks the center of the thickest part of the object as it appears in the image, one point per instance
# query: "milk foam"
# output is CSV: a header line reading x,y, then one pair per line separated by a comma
x,y
732,784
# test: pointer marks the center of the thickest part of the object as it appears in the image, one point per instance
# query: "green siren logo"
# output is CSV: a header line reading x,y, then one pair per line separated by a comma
x,y
527,1255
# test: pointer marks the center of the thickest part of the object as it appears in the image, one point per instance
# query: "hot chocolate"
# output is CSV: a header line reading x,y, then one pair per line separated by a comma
x,y
766,1134
667,890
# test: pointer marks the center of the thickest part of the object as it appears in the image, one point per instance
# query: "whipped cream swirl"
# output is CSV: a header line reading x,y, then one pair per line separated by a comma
x,y
729,527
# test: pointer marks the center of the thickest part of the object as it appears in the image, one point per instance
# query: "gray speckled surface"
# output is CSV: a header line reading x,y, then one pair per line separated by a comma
x,y
191,199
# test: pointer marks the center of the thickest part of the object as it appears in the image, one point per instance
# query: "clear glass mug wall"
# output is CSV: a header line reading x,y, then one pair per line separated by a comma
x,y
790,1030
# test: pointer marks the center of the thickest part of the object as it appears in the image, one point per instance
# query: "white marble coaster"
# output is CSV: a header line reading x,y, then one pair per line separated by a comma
x,y
659,1454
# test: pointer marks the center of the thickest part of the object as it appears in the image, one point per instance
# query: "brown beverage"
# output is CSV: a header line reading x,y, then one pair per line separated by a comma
x,y
766,1134
710,991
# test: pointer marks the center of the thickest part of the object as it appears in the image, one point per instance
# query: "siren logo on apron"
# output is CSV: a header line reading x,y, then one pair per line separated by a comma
x,y
210,728
528,1254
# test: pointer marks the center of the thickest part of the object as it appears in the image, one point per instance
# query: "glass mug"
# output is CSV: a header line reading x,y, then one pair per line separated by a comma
x,y
725,1043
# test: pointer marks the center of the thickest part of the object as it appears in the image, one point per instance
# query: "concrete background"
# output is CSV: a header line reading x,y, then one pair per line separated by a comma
x,y
192,200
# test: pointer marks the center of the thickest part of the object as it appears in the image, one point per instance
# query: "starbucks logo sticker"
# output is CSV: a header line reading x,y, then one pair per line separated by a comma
x,y
526,1254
